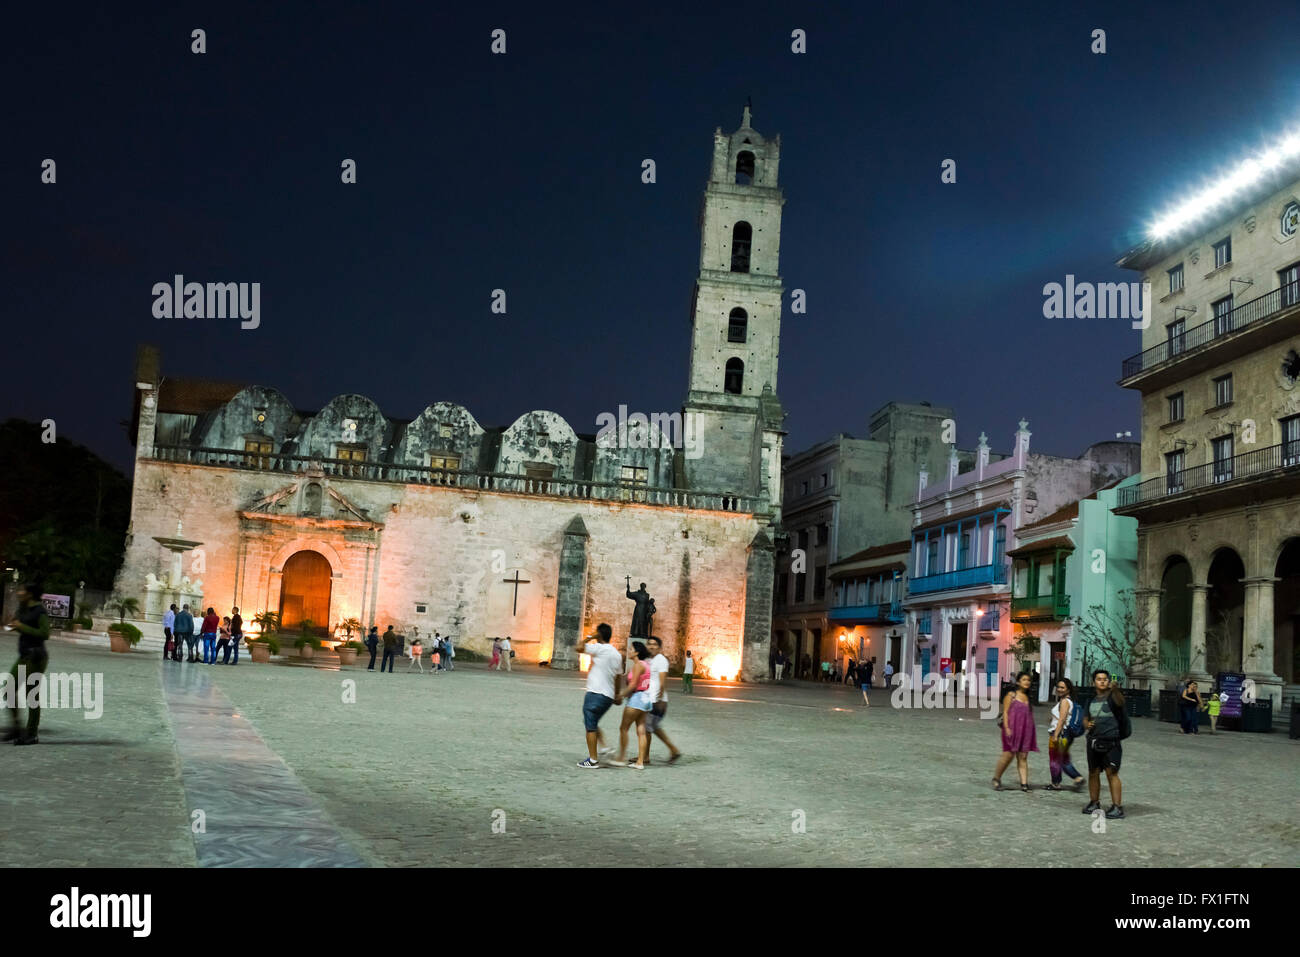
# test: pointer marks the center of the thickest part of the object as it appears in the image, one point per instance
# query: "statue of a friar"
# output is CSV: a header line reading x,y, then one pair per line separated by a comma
x,y
644,611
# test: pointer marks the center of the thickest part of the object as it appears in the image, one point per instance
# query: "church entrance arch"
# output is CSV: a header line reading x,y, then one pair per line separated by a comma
x,y
305,587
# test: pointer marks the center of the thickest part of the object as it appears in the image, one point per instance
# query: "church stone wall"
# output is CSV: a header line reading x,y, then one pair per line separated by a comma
x,y
329,428
238,418
541,438
451,550
424,436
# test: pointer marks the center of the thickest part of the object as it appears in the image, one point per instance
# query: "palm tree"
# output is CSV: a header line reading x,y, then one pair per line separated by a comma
x,y
124,607
267,622
350,625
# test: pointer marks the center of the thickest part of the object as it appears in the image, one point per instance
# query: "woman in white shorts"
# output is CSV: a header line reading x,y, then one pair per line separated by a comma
x,y
637,690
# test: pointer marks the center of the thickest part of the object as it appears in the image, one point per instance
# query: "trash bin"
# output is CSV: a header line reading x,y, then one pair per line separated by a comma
x,y
1257,716
1169,706
1295,718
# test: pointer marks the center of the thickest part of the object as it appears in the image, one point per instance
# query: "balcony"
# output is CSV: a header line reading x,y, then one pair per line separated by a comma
x,y
549,487
962,578
991,620
1198,339
1250,470
1040,608
881,613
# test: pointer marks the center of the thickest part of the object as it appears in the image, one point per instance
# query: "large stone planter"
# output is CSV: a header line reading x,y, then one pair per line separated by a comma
x,y
117,643
347,656
306,651
260,651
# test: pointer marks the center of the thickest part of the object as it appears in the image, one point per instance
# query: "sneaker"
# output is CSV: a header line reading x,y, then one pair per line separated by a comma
x,y
675,757
1092,806
1114,812
614,762
606,750
588,763
637,766
33,739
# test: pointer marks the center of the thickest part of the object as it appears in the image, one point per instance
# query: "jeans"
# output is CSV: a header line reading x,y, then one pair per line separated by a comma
x,y
1058,760
168,636
234,643
373,649
1191,719
35,662
390,655
209,648
223,646
191,641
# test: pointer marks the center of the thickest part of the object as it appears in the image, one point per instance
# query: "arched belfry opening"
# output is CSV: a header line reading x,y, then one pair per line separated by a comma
x,y
745,168
738,325
734,380
742,235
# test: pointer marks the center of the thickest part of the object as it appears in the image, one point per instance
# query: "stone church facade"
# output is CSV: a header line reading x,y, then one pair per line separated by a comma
x,y
530,530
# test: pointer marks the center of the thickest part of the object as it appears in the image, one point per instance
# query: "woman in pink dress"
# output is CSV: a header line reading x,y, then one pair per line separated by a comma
x,y
1018,734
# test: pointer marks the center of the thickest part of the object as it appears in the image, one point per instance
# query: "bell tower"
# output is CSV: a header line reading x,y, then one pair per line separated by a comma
x,y
732,411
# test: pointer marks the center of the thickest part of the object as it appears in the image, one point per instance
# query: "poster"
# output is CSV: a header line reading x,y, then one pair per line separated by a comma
x,y
1230,687
57,606
945,666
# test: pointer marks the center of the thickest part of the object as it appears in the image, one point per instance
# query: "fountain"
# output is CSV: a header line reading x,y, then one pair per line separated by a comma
x,y
176,588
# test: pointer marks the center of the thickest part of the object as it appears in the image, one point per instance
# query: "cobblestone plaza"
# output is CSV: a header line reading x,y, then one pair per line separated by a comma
x,y
478,768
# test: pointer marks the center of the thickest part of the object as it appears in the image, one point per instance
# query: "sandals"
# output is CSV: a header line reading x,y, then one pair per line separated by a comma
x,y
1026,788
1051,787
997,785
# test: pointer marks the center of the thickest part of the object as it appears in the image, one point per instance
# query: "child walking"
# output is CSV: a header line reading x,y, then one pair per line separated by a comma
x,y
1215,705
417,650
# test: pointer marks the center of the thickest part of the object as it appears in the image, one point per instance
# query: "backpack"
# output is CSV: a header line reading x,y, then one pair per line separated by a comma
x,y
1074,726
1125,725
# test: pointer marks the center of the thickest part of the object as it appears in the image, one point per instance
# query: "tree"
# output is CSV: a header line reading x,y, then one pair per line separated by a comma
x,y
1118,640
1025,648
124,607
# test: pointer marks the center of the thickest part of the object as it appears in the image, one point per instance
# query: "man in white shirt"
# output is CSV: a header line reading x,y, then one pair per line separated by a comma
x,y
604,681
505,655
659,699
169,623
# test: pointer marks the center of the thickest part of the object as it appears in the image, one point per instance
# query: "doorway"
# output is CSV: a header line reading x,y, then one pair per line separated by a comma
x,y
305,587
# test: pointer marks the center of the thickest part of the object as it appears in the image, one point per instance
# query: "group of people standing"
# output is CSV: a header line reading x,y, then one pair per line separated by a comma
x,y
442,652
1103,724
643,691
219,635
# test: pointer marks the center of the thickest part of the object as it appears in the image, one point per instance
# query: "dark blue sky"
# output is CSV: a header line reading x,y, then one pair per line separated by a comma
x,y
522,172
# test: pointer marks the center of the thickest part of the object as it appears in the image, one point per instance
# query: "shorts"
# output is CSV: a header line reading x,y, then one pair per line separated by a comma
x,y
594,707
1108,759
652,720
640,700
866,685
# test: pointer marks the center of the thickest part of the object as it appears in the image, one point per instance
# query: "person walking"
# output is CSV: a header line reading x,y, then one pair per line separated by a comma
x,y
1018,734
1107,724
1191,706
169,636
638,705
236,632
372,642
867,670
417,653
1066,724
184,629
659,701
223,641
688,674
33,627
604,685
496,653
506,654
864,676
449,654
889,673
851,673
210,624
1215,706
390,650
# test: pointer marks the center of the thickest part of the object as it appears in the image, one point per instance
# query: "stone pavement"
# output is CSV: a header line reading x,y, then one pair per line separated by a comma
x,y
427,770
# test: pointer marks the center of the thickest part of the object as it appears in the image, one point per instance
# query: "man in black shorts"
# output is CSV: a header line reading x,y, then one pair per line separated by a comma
x,y
1102,723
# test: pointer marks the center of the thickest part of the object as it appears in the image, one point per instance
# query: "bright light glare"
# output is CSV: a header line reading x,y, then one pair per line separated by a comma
x,y
1244,176
724,666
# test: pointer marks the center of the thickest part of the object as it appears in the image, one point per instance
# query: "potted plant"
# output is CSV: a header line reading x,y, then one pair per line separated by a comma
x,y
348,651
82,623
307,642
264,646
122,636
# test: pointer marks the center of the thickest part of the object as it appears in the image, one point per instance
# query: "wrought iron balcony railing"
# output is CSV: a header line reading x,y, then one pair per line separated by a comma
x,y
962,578
1248,313
879,611
1254,464
991,620
1041,608
460,478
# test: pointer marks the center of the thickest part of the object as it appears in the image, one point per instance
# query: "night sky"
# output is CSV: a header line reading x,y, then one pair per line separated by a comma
x,y
523,172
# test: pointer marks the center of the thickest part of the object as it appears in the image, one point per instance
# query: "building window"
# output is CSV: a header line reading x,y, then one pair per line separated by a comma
x,y
450,462
932,559
1223,389
1176,278
1223,458
803,541
782,589
735,377
539,471
800,586
635,478
444,430
1222,315
741,236
1177,336
744,168
354,457
1174,472
257,444
1000,545
819,582
311,499
1223,252
824,480
1176,407
963,551
1289,283
1290,440
421,609
823,534
1020,579
1046,578
738,326
803,488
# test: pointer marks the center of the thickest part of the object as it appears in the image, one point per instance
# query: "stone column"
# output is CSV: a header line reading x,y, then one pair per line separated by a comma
x,y
1196,663
570,596
760,574
1257,640
1148,674
972,643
